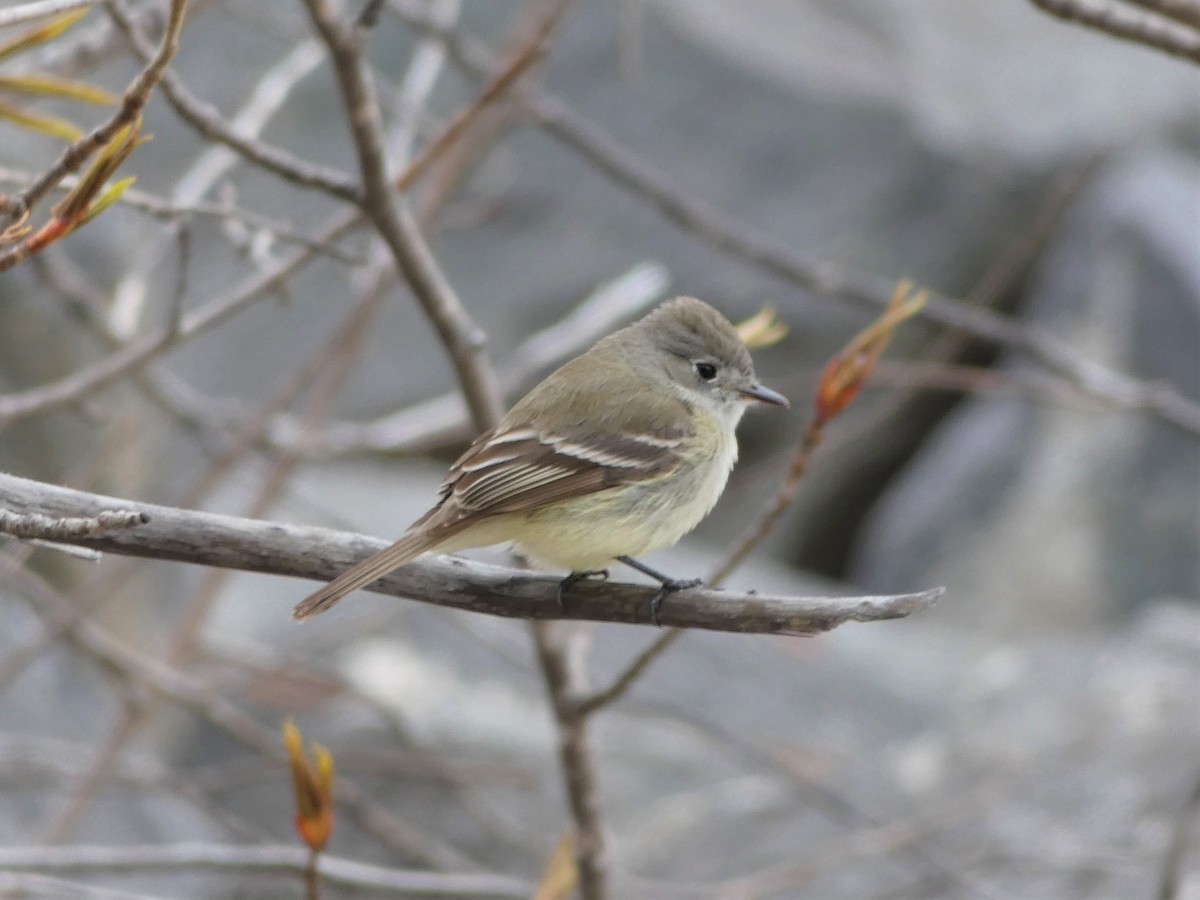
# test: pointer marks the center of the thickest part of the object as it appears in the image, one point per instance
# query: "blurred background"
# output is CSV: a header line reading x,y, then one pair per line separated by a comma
x,y
1035,735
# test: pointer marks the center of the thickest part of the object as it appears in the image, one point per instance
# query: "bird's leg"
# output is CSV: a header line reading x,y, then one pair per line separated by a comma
x,y
565,584
669,585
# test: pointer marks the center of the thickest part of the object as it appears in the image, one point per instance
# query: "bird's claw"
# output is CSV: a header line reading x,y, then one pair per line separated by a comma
x,y
670,586
574,577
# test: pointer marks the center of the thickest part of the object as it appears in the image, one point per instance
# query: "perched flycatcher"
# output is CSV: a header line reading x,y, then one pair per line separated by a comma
x,y
621,451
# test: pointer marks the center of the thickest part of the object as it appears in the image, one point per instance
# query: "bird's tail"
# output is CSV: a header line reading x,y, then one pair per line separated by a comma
x,y
369,570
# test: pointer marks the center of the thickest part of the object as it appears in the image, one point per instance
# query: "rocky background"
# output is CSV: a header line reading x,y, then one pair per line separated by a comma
x,y
1035,735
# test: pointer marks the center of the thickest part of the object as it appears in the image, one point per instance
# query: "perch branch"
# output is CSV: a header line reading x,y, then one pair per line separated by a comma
x,y
278,549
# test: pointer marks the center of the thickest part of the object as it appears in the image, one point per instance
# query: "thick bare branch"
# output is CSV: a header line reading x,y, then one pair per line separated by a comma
x,y
320,553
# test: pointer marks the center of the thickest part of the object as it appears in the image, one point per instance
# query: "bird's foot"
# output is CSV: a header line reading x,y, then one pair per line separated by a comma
x,y
573,578
670,586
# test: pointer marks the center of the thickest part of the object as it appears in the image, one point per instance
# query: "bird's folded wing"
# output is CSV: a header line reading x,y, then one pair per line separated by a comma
x,y
520,469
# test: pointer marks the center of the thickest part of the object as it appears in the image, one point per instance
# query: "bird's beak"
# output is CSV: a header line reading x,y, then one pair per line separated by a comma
x,y
764,395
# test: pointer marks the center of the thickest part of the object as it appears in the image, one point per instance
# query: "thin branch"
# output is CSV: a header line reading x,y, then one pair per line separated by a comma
x,y
783,498
630,674
164,209
320,553
443,420
284,860
79,384
535,24
462,338
117,658
501,85
562,670
265,99
210,124
1128,25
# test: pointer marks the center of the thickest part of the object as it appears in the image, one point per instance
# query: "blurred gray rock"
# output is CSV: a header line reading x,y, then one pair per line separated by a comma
x,y
979,78
1036,514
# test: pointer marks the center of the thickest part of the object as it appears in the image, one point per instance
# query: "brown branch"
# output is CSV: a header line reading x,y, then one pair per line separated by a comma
x,y
500,85
210,124
320,553
463,339
625,680
784,497
477,380
132,103
162,680
562,667
330,367
1120,22
79,384
443,420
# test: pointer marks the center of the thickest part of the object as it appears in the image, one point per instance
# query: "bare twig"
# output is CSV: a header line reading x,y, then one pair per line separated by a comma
x,y
265,99
477,380
165,681
458,333
330,366
562,670
285,860
784,497
164,209
535,23
1126,24
630,674
443,420
136,354
499,87
210,124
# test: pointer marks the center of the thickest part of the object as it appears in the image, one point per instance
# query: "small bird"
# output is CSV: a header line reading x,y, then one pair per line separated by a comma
x,y
622,450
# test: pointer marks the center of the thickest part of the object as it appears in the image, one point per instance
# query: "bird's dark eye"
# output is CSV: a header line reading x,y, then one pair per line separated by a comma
x,y
706,370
